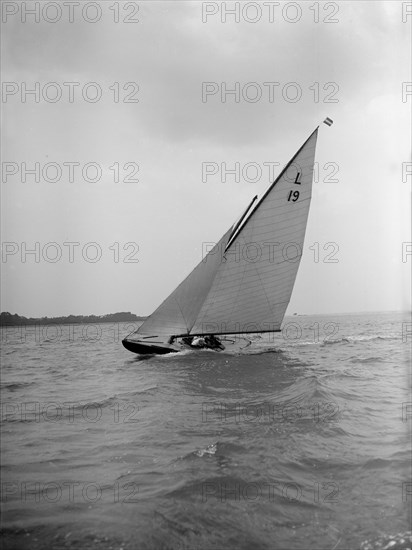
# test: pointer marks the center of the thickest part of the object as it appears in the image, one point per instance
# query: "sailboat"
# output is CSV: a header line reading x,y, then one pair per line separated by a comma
x,y
243,285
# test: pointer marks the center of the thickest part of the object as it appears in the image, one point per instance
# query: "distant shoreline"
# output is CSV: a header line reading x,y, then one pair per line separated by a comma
x,y
9,319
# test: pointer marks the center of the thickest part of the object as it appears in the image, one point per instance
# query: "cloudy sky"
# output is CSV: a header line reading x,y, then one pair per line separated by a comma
x,y
125,136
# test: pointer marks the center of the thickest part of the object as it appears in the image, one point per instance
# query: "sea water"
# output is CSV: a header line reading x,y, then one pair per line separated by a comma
x,y
300,442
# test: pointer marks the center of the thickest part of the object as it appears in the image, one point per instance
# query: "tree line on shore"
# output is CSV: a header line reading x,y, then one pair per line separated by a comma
x,y
8,319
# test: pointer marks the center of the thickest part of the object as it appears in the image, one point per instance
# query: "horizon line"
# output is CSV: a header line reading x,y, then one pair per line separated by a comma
x,y
140,315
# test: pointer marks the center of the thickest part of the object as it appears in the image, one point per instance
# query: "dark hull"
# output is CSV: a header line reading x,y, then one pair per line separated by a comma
x,y
234,344
144,349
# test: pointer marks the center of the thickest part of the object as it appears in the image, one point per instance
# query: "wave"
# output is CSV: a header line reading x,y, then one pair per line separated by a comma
x,y
377,463
308,388
400,541
227,488
283,347
367,360
261,350
36,411
210,450
81,406
358,339
217,448
14,386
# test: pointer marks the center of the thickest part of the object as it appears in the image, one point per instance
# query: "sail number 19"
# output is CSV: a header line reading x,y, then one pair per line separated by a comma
x,y
293,195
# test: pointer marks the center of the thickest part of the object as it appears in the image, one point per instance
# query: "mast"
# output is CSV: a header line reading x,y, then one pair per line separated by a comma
x,y
239,222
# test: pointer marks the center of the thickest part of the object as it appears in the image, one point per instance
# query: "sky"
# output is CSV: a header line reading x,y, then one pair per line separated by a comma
x,y
132,123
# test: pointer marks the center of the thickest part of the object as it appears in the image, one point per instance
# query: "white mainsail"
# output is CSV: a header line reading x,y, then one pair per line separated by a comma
x,y
252,288
245,283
